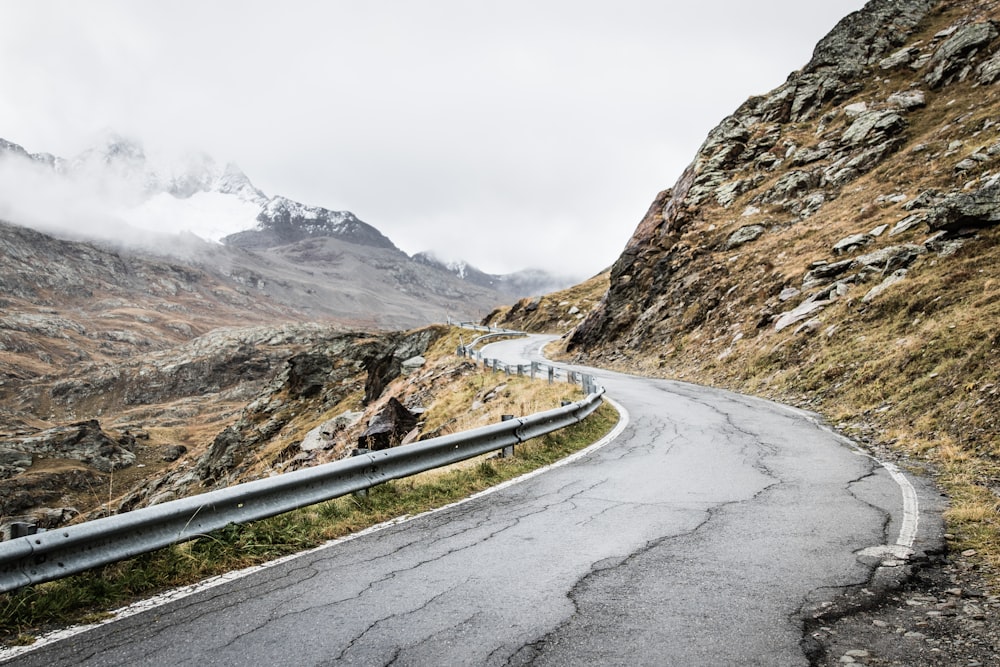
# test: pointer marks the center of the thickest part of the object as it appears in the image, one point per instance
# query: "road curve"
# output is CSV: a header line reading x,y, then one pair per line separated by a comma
x,y
700,535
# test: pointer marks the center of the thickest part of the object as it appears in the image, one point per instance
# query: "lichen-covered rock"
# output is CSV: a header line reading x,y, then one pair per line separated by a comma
x,y
989,70
890,258
82,441
792,184
890,280
907,100
388,428
821,273
325,435
745,234
865,37
952,57
308,373
873,127
851,243
967,210
13,462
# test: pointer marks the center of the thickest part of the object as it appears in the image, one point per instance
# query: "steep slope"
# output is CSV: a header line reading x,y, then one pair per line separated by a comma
x,y
834,244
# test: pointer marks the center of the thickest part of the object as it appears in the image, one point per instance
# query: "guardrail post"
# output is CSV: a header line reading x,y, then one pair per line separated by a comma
x,y
361,493
534,369
552,374
507,451
22,529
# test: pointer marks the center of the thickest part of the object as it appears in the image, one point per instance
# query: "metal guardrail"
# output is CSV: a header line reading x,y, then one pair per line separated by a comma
x,y
532,370
57,553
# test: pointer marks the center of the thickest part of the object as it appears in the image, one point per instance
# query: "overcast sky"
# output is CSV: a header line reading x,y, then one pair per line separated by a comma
x,y
510,133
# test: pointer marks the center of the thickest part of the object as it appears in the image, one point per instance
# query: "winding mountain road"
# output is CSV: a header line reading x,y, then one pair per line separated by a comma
x,y
699,535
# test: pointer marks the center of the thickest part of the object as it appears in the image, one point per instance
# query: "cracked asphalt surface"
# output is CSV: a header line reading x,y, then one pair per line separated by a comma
x,y
702,535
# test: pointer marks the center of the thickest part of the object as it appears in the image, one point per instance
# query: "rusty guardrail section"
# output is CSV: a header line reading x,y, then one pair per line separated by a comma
x,y
57,553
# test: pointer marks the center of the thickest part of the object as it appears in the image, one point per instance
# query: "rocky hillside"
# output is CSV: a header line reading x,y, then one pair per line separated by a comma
x,y
228,406
834,244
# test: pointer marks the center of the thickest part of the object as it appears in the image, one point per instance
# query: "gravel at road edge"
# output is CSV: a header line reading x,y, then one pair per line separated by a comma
x,y
934,611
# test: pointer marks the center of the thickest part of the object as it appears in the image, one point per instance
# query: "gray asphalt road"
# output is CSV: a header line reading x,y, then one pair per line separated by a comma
x,y
697,537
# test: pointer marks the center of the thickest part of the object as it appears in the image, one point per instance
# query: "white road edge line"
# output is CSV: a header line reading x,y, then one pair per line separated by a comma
x,y
7,654
910,523
903,548
911,506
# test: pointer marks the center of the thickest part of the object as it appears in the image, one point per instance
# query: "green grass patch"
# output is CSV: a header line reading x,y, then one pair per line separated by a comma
x,y
88,596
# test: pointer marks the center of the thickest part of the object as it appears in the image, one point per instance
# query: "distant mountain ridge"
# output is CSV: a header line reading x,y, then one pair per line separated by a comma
x,y
282,221
220,203
528,282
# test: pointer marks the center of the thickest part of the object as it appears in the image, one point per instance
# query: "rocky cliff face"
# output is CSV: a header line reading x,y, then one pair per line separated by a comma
x,y
834,242
874,159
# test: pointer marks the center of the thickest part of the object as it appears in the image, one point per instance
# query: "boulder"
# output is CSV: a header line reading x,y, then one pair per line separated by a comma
x,y
967,210
903,56
890,280
852,242
872,127
906,224
989,70
824,272
792,184
413,363
324,436
381,371
222,455
308,373
908,100
856,109
889,258
799,313
388,428
745,234
82,441
173,452
952,57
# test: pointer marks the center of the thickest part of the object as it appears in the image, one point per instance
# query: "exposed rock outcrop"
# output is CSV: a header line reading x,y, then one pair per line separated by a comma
x,y
318,378
388,428
786,158
84,441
